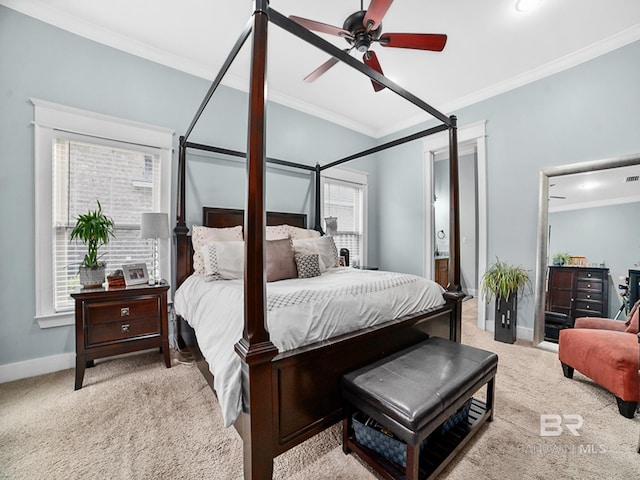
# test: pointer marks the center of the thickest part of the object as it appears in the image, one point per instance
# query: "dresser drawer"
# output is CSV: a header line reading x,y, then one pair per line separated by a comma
x,y
96,313
592,296
589,309
122,329
599,275
589,285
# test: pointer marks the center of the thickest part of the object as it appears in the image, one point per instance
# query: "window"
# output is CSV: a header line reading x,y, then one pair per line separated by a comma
x,y
344,197
82,157
124,180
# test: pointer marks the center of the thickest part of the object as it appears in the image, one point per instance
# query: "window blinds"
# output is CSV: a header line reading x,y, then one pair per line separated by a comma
x,y
125,180
343,200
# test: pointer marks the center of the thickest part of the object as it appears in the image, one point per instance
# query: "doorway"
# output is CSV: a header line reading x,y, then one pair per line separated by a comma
x,y
471,152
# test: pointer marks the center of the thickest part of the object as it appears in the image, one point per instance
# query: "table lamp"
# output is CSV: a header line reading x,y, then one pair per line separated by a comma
x,y
154,226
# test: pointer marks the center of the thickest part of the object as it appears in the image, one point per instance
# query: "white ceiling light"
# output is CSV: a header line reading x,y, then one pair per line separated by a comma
x,y
527,5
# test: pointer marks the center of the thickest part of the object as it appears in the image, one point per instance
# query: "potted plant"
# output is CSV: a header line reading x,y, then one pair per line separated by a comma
x,y
94,229
562,258
505,282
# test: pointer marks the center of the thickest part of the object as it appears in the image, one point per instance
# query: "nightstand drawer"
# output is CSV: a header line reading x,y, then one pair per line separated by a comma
x,y
122,329
121,310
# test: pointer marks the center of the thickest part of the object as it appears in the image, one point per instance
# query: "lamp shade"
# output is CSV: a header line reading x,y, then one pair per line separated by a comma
x,y
331,224
154,225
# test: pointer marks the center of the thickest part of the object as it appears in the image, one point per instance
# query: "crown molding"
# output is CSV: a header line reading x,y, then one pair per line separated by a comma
x,y
41,10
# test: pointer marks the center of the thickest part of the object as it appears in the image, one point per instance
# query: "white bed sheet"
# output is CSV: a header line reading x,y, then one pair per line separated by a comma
x,y
299,312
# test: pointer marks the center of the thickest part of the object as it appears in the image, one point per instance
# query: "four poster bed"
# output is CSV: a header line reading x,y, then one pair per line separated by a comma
x,y
291,393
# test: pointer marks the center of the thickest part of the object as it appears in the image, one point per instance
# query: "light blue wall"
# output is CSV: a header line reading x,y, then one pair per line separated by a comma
x,y
588,112
41,61
608,234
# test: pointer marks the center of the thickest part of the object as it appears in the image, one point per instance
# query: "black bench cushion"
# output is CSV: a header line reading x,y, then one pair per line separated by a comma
x,y
419,385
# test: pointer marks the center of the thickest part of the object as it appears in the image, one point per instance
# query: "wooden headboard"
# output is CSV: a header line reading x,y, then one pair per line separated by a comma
x,y
222,218
230,217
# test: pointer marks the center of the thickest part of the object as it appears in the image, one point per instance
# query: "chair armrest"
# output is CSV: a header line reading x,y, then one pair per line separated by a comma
x,y
600,324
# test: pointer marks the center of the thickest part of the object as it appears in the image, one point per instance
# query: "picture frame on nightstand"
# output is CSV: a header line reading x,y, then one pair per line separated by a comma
x,y
135,274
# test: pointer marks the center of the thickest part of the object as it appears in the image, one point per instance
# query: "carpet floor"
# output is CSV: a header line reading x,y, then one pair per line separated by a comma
x,y
136,419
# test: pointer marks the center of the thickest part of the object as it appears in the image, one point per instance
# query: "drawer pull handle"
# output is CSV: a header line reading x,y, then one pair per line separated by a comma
x,y
124,328
587,308
588,296
588,275
124,312
589,285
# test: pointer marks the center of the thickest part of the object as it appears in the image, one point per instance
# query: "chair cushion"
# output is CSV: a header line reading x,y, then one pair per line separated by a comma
x,y
607,357
414,386
600,323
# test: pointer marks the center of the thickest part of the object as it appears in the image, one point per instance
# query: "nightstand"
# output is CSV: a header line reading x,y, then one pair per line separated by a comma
x,y
119,320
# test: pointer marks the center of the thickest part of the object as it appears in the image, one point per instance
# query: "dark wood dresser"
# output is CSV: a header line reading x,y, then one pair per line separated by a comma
x,y
119,320
578,291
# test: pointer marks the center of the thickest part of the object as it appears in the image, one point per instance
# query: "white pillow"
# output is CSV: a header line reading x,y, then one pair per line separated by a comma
x,y
223,260
201,236
277,232
297,232
323,246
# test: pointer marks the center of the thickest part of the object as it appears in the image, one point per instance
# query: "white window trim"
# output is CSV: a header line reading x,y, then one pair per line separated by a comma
x,y
360,178
50,117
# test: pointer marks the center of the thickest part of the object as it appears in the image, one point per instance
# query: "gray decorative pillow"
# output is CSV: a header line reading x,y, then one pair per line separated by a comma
x,y
280,260
308,265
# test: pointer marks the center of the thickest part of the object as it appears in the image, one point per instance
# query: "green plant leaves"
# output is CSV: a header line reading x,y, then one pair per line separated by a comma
x,y
501,280
94,229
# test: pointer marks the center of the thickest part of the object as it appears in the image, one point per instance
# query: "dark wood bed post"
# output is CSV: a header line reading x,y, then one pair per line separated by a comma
x,y
318,220
255,347
181,230
454,291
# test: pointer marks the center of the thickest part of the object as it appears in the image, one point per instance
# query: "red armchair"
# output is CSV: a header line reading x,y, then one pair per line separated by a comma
x,y
607,352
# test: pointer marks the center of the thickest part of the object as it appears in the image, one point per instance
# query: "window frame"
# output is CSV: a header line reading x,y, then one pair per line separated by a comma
x,y
50,118
360,179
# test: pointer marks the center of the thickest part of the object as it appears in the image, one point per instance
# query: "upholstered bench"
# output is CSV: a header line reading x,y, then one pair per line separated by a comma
x,y
412,393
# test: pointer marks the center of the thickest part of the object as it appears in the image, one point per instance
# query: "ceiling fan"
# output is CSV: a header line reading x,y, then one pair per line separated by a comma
x,y
557,197
363,28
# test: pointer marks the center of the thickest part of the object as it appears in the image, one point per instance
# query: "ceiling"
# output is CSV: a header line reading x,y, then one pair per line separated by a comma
x,y
594,189
491,47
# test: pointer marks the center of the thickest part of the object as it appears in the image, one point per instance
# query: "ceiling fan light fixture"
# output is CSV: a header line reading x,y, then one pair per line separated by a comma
x,y
527,5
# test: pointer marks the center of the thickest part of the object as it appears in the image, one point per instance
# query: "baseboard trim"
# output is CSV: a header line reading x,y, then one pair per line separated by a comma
x,y
37,366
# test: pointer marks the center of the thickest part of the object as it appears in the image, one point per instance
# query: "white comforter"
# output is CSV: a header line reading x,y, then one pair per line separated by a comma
x,y
299,312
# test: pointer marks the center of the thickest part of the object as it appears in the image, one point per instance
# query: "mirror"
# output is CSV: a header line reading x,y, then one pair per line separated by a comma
x,y
561,178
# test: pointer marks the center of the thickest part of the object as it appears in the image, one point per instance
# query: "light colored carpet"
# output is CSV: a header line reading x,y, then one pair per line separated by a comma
x,y
135,419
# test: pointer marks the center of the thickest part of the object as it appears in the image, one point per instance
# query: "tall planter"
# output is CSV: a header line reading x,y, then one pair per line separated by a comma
x,y
504,282
506,319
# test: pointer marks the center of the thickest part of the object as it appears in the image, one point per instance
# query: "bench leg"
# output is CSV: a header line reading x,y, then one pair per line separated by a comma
x,y
491,392
413,462
346,427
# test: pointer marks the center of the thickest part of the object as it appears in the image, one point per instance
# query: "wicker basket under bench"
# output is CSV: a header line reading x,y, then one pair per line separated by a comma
x,y
408,394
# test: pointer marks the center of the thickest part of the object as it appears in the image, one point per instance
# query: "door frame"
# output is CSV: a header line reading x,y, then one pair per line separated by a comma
x,y
430,147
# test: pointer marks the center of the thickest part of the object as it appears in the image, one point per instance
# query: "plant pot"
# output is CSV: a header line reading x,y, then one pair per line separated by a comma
x,y
506,319
92,277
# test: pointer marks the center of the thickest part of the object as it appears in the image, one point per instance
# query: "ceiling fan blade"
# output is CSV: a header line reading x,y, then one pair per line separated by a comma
x,y
320,70
419,41
320,27
377,9
371,59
